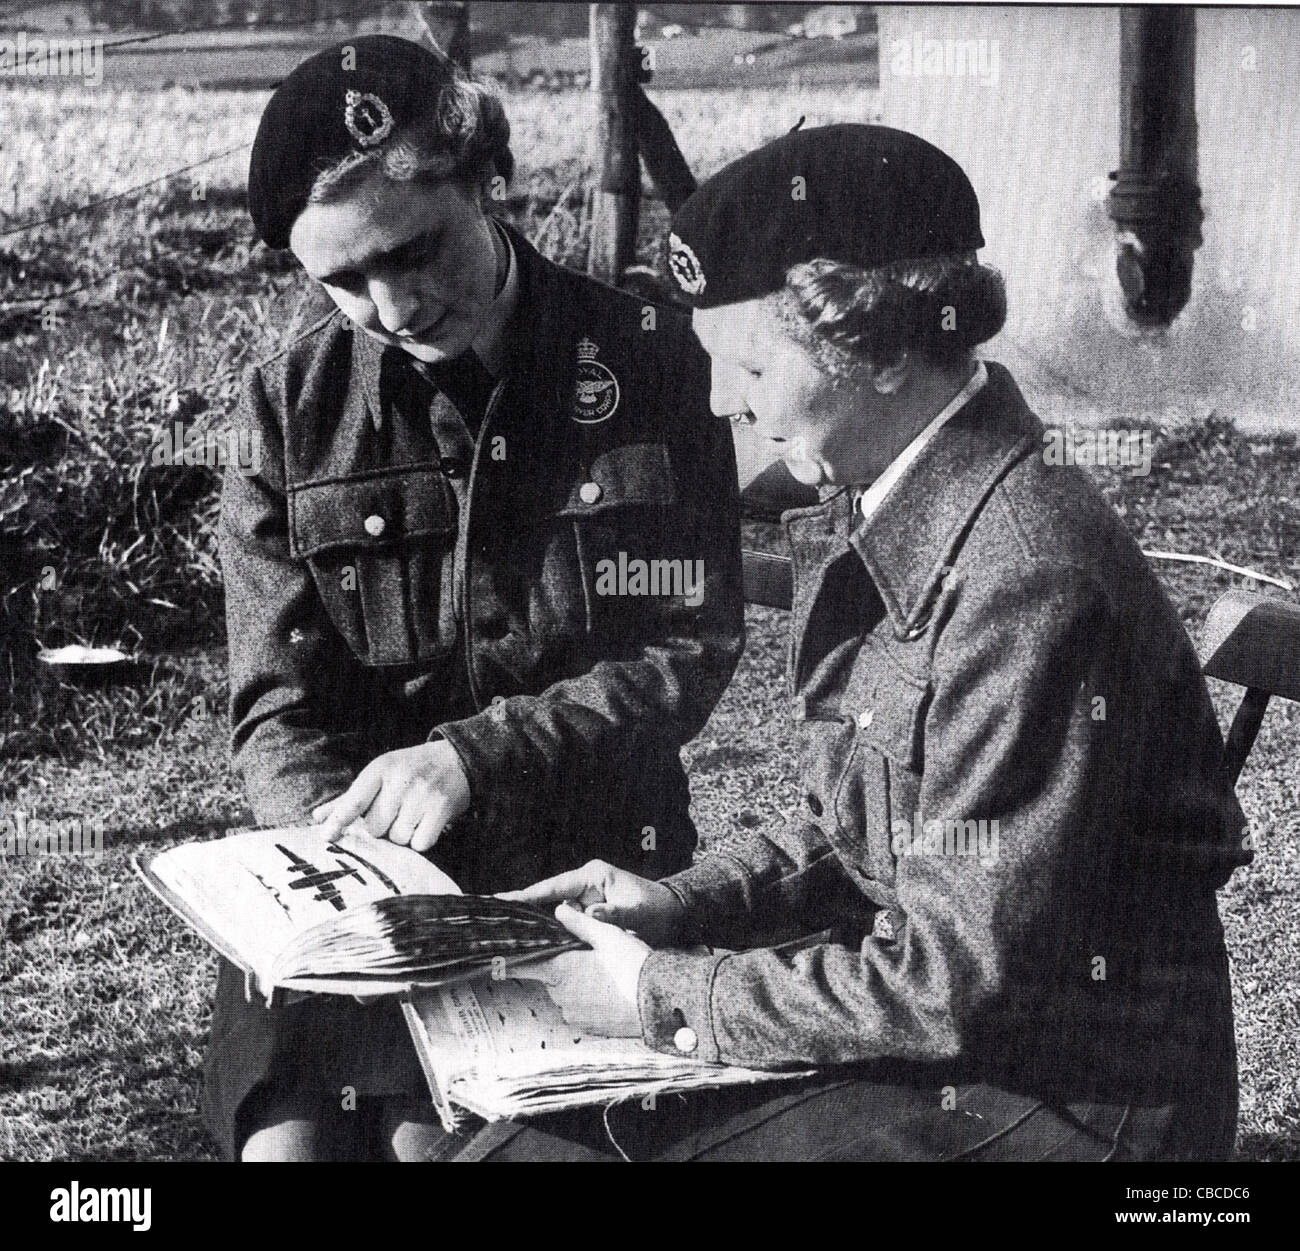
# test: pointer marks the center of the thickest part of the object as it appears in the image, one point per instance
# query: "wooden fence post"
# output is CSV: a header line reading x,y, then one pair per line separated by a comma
x,y
616,202
446,25
663,159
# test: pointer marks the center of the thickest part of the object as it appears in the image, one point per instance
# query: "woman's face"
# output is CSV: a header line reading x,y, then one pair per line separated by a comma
x,y
412,265
810,419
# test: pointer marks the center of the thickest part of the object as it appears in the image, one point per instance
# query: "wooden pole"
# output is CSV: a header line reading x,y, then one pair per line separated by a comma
x,y
616,202
446,26
663,159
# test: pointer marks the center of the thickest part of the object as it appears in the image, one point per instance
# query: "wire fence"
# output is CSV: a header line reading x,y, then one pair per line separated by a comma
x,y
51,297
77,209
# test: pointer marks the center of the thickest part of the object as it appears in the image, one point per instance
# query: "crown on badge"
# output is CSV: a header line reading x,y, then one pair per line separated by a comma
x,y
587,349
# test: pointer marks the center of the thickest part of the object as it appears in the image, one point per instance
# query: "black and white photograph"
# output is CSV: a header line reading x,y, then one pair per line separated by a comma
x,y
649,582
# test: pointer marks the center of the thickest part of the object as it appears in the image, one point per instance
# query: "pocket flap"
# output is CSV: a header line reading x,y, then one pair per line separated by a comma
x,y
373,511
627,473
887,705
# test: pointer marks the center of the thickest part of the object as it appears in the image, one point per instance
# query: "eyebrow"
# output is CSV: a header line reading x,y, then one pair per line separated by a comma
x,y
376,258
746,360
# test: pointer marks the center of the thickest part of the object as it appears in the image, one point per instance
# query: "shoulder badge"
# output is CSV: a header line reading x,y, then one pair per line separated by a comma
x,y
685,266
595,389
367,117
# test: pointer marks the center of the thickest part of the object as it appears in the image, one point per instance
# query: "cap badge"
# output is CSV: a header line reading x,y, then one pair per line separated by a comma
x,y
367,118
685,266
595,389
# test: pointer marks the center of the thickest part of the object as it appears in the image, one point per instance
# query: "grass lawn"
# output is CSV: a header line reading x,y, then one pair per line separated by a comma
x,y
104,998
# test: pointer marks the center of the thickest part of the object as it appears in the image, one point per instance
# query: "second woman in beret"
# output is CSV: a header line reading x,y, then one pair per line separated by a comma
x,y
992,919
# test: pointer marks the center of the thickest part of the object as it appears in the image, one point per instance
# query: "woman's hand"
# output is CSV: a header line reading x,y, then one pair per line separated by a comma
x,y
595,990
635,903
409,796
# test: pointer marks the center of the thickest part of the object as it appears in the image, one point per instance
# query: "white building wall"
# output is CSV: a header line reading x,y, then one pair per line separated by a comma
x,y
1035,123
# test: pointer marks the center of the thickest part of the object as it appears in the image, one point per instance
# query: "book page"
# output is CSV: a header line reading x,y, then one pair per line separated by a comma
x,y
255,890
506,1028
501,1048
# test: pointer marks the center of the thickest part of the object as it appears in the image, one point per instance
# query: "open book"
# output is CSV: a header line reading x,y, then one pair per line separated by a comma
x,y
365,916
500,1048
362,916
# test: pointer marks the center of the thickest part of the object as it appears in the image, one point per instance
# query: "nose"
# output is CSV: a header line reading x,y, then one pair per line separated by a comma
x,y
396,304
725,394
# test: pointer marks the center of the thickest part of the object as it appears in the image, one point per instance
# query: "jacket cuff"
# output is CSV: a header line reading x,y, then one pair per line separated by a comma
x,y
713,887
489,746
674,997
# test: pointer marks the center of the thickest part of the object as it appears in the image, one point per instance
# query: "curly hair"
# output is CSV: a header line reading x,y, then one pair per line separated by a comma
x,y
937,309
466,138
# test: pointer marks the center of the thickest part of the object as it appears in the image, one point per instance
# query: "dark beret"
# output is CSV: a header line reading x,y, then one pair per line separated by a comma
x,y
348,98
869,195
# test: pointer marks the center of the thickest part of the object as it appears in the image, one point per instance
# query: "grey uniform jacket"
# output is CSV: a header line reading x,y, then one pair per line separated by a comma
x,y
388,577
1014,815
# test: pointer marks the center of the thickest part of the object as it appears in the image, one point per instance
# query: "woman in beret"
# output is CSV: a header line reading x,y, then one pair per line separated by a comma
x,y
450,454
991,925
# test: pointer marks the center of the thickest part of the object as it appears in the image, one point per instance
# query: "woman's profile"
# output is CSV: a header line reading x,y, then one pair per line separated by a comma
x,y
992,919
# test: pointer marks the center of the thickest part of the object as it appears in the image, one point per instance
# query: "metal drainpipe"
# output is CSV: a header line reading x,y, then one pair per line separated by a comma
x,y
1156,200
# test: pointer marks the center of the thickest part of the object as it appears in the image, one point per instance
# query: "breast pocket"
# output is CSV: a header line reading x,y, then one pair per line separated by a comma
x,y
636,550
885,707
380,548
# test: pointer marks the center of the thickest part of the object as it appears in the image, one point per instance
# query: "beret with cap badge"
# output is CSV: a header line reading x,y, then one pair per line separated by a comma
x,y
865,195
348,98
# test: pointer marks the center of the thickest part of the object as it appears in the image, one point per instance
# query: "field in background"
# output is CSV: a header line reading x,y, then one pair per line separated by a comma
x,y
105,999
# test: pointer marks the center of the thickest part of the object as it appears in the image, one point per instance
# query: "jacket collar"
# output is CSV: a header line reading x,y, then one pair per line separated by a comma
x,y
913,537
533,299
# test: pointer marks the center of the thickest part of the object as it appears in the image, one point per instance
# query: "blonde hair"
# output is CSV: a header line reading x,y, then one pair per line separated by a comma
x,y
937,308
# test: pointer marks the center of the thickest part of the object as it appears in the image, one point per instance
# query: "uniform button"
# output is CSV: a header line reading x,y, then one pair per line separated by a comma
x,y
814,804
866,717
799,708
497,699
685,1040
590,492
374,525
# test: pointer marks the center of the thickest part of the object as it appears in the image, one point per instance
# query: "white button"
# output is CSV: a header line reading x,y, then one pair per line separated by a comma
x,y
799,708
374,525
590,492
866,717
685,1040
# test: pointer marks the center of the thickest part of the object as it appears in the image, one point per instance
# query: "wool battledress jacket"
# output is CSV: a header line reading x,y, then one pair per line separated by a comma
x,y
390,577
1014,816
387,578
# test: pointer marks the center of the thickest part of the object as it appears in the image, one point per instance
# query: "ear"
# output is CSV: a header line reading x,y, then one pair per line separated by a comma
x,y
888,379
